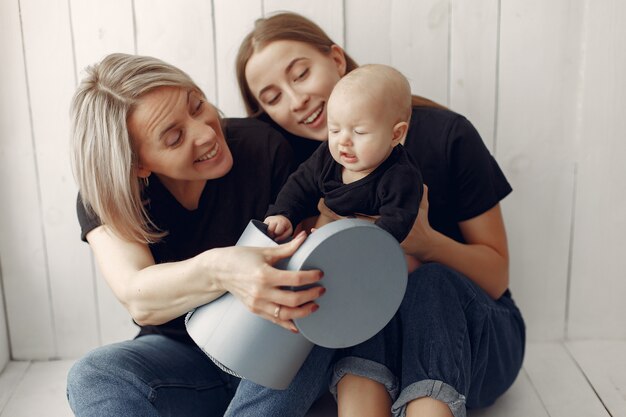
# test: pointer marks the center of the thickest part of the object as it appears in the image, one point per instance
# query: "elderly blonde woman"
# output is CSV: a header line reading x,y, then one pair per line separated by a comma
x,y
165,189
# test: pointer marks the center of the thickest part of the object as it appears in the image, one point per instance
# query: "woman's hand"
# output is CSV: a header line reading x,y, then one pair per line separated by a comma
x,y
418,241
248,273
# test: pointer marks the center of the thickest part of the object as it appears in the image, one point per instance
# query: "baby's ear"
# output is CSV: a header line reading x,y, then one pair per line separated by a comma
x,y
399,133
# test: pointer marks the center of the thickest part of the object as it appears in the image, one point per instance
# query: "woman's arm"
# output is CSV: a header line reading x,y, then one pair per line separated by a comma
x,y
484,258
156,293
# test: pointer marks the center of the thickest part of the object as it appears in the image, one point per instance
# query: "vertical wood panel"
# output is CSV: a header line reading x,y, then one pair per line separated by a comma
x,y
328,14
180,33
536,119
473,63
21,238
598,287
100,28
368,25
232,22
419,43
4,334
51,80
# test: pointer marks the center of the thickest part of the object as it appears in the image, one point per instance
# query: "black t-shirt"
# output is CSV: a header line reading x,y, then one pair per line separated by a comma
x,y
262,162
463,179
393,191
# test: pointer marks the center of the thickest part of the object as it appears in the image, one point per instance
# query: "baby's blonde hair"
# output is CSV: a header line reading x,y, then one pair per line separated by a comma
x,y
384,84
104,161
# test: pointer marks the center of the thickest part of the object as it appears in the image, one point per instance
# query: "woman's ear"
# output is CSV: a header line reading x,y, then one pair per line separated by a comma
x,y
143,172
339,57
399,133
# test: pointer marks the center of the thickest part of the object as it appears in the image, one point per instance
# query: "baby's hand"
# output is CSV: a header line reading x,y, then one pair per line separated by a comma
x,y
279,227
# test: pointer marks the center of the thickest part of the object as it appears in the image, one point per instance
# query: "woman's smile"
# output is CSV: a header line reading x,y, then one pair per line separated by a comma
x,y
210,154
314,116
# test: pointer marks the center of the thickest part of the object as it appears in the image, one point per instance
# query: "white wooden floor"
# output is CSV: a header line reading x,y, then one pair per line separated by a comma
x,y
571,379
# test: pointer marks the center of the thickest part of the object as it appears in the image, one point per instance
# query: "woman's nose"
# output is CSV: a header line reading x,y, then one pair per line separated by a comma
x,y
298,100
202,133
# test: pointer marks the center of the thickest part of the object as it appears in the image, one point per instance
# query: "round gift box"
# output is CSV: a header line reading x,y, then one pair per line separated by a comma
x,y
365,278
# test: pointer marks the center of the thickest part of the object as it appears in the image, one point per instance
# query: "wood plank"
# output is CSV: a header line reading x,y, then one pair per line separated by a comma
x,y
179,35
521,400
100,28
563,388
604,365
328,14
41,392
367,31
233,20
50,70
24,268
5,355
420,33
10,378
473,63
597,307
534,147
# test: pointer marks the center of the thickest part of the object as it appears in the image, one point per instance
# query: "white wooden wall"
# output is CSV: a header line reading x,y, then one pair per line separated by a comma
x,y
543,81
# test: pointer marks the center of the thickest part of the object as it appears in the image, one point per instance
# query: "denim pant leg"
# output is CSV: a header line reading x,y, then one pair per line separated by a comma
x,y
152,375
455,343
311,381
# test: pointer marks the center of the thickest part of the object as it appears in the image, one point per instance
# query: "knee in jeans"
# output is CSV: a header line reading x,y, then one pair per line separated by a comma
x,y
84,369
434,281
94,366
431,277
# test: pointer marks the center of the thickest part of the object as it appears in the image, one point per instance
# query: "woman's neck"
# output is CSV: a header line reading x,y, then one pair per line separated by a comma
x,y
187,193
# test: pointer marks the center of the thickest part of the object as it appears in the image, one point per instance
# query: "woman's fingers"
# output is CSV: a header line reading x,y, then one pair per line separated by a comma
x,y
268,288
293,297
283,315
284,250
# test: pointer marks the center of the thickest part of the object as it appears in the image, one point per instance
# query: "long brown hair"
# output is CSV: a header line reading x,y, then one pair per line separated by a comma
x,y
289,26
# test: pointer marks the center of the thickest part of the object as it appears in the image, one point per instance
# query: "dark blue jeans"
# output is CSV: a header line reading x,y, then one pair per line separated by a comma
x,y
150,376
449,341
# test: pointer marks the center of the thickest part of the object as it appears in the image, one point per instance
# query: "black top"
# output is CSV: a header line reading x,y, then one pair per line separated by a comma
x,y
463,179
393,191
262,162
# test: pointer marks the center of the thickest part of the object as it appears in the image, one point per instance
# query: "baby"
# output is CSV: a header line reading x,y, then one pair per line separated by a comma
x,y
363,169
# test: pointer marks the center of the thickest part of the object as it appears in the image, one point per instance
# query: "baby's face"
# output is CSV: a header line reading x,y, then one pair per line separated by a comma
x,y
360,131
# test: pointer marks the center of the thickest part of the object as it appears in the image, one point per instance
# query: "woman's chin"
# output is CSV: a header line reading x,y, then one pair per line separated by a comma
x,y
320,135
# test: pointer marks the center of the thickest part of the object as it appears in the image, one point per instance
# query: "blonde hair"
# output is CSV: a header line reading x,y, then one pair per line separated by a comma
x,y
384,84
288,26
104,161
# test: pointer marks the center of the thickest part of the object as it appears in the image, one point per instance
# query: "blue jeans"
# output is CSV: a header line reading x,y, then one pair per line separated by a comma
x,y
449,340
152,375
311,381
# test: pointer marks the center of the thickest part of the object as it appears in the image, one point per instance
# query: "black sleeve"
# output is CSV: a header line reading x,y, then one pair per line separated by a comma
x,y
480,183
299,196
87,219
400,193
